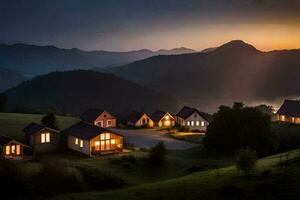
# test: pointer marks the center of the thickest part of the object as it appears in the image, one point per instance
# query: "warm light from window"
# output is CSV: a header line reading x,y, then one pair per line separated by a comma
x,y
113,141
81,143
18,150
167,117
45,137
7,150
188,123
102,136
107,136
13,149
76,141
282,118
202,123
97,143
197,123
192,123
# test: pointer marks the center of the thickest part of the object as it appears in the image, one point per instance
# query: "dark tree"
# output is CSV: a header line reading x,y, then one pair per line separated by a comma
x,y
267,109
239,127
49,120
246,160
157,154
2,103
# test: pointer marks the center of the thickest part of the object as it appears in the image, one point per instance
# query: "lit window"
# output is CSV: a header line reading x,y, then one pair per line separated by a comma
x,y
282,118
188,123
45,137
18,150
113,141
81,143
202,123
97,143
192,123
197,123
13,149
107,136
76,141
102,136
167,117
7,150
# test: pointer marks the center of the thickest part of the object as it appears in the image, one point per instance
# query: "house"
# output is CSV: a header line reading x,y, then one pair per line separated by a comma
x,y
93,140
192,118
289,112
99,117
41,138
163,119
12,149
134,118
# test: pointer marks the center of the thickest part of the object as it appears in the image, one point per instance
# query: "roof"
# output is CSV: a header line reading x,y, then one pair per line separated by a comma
x,y
290,108
158,115
91,115
86,131
5,140
131,116
33,128
186,111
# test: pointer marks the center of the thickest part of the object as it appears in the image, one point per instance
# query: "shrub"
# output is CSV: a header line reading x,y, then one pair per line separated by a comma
x,y
157,154
246,160
49,120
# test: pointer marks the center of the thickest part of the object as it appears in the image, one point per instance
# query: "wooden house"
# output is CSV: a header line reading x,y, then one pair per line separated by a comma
x,y
163,119
41,138
134,118
289,112
192,118
14,150
100,118
93,140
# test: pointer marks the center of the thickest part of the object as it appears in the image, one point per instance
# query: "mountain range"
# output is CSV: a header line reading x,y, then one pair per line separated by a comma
x,y
31,60
235,71
9,79
73,92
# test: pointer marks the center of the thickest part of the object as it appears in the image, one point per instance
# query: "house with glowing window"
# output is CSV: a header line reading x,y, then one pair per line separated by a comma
x,y
42,139
100,118
14,150
192,118
162,119
93,140
137,119
289,112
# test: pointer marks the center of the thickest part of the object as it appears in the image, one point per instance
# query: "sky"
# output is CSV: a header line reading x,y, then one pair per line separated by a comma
x,y
123,25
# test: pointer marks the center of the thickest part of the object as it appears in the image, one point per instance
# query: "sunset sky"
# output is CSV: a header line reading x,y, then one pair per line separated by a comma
x,y
122,25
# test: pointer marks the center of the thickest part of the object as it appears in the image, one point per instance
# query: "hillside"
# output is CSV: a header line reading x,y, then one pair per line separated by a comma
x,y
75,91
9,78
33,60
209,79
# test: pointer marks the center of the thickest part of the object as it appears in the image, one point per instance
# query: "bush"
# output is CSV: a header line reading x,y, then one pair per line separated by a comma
x,y
246,160
50,121
157,154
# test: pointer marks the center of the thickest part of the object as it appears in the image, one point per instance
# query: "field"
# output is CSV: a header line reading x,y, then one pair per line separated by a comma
x,y
12,123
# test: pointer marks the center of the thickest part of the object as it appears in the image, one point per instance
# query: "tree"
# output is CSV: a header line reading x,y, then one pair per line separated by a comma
x,y
239,127
2,103
49,120
267,109
157,154
246,160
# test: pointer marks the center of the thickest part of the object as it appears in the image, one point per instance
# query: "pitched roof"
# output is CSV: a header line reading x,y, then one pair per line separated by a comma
x,y
4,140
33,128
91,115
290,108
186,111
131,116
157,115
86,131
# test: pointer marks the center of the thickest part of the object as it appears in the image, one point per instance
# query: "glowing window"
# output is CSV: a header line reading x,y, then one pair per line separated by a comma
x,y
7,150
167,117
202,123
188,123
107,136
18,149
113,141
13,149
282,118
81,143
76,141
102,136
192,123
45,137
197,123
97,143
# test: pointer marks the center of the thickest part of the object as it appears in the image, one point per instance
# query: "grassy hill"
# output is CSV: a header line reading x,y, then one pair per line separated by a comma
x,y
11,124
270,181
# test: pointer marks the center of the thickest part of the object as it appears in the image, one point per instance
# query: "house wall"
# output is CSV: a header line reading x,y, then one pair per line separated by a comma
x,y
191,122
86,145
107,144
285,118
38,147
149,121
12,156
162,122
103,118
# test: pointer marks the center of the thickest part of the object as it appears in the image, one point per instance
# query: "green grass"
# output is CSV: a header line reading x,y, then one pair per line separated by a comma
x,y
211,184
11,124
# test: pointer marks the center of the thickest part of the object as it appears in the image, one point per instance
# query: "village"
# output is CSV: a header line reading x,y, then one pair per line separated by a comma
x,y
98,132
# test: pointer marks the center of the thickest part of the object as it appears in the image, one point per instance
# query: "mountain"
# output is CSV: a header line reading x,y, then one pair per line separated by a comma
x,y
34,60
9,79
75,91
235,71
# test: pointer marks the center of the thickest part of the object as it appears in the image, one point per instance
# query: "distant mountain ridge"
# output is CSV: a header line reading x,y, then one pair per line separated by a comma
x,y
35,60
73,92
235,71
9,79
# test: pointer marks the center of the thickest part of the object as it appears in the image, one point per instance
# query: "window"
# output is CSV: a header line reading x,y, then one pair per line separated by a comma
x,y
282,118
45,137
167,117
188,123
18,150
109,123
192,123
13,149
197,123
100,123
202,123
76,141
81,143
107,136
102,137
7,150
113,141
